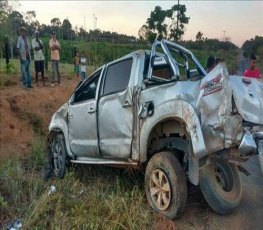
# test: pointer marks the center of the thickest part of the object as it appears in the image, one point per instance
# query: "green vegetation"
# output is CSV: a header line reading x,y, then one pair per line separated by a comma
x,y
161,24
97,53
253,46
230,58
89,197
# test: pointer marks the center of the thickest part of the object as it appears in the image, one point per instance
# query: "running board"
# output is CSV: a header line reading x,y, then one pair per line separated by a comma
x,y
84,160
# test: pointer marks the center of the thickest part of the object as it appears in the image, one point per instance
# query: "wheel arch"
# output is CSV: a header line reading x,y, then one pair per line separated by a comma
x,y
59,129
175,112
168,134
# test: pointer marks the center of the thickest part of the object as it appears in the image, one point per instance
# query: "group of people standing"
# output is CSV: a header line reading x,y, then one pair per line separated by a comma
x,y
23,47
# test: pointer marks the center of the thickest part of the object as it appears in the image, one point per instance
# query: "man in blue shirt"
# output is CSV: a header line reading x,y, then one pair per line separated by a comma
x,y
23,48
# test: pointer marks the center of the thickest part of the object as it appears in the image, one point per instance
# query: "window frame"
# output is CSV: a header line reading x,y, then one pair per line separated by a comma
x,y
106,71
88,81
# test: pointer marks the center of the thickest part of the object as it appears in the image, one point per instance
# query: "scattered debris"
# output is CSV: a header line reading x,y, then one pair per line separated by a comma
x,y
15,225
52,190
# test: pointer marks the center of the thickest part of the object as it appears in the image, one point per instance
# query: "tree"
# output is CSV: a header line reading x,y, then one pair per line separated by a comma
x,y
31,23
3,26
82,32
66,29
155,22
55,22
30,15
165,24
252,46
44,29
15,21
199,36
3,18
177,29
3,10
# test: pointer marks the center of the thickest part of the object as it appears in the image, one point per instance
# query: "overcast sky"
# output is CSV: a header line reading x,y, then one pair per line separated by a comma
x,y
239,20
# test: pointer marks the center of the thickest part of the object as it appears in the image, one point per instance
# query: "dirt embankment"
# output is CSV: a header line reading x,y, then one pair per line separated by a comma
x,y
27,113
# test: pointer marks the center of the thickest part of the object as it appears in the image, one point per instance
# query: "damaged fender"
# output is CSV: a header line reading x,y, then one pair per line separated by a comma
x,y
59,124
184,111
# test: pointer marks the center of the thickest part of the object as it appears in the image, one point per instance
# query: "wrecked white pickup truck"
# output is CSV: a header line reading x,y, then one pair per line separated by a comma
x,y
161,111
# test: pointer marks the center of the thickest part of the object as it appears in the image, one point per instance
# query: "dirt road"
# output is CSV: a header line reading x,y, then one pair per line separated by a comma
x,y
198,215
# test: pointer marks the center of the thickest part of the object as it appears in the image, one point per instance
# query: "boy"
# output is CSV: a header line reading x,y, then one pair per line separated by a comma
x,y
83,66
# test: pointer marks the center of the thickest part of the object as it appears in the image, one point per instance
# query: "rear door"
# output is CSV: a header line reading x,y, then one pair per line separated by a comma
x,y
116,110
82,118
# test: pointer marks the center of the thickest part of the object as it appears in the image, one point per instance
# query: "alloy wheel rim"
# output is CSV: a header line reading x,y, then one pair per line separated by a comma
x,y
57,154
160,190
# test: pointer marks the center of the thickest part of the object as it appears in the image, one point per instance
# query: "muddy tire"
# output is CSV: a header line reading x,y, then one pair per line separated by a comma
x,y
165,185
58,150
221,186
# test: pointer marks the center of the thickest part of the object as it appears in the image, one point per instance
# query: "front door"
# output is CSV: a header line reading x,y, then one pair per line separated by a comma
x,y
116,111
82,119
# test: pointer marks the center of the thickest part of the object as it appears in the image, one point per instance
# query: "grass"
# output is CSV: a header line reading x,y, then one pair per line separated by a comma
x,y
89,197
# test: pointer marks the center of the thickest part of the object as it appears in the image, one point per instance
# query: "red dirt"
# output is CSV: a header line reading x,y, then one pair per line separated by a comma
x,y
25,113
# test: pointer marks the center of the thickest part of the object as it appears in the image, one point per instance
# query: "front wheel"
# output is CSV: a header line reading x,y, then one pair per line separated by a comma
x,y
221,185
165,185
58,150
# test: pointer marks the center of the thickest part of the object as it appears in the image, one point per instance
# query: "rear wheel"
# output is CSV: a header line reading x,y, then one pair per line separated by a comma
x,y
58,150
221,185
165,185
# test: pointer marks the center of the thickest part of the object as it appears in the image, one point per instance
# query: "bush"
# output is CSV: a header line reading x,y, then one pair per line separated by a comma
x,y
10,68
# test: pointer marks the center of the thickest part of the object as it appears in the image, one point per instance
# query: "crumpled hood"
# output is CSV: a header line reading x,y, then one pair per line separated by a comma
x,y
248,96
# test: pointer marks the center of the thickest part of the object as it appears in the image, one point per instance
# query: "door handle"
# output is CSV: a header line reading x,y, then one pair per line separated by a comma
x,y
126,104
91,110
70,116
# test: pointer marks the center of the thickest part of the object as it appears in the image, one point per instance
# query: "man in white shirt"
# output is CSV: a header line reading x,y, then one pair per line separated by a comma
x,y
39,58
83,66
